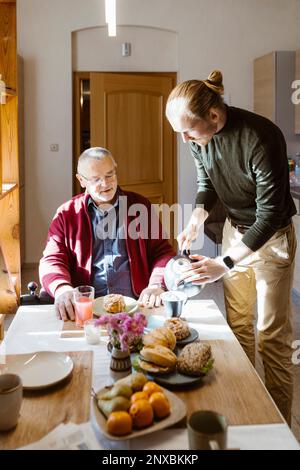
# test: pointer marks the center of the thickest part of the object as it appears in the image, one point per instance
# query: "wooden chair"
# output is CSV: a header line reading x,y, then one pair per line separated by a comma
x,y
35,298
213,226
2,318
8,296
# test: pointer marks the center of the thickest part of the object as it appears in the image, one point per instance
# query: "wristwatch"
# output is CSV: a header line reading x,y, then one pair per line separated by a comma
x,y
228,262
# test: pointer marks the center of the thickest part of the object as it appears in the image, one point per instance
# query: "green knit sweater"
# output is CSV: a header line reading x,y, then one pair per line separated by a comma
x,y
245,165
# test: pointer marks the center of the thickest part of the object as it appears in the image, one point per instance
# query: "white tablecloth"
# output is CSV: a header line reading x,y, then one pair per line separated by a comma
x,y
36,328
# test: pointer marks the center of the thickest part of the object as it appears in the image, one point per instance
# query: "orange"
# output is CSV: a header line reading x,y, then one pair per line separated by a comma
x,y
138,396
142,414
160,405
151,387
119,423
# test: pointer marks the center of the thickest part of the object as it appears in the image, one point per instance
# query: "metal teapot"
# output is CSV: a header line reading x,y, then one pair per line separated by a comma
x,y
173,272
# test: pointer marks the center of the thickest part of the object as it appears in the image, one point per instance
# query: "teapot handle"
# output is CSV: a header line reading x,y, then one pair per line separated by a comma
x,y
187,254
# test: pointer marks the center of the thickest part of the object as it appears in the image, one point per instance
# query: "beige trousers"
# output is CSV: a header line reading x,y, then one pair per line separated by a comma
x,y
266,277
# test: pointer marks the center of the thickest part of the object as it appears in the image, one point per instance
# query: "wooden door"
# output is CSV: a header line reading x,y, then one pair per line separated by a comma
x,y
127,116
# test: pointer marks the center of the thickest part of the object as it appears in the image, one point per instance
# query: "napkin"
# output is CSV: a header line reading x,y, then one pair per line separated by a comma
x,y
254,437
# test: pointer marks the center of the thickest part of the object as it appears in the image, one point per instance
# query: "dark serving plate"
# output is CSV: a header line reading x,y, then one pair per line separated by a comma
x,y
189,339
175,379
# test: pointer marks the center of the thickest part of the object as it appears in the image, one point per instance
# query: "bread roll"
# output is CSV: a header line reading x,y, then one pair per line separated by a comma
x,y
159,355
193,358
160,336
114,303
179,327
151,368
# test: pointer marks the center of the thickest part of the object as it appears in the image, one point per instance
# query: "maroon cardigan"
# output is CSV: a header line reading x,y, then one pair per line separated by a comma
x,y
67,258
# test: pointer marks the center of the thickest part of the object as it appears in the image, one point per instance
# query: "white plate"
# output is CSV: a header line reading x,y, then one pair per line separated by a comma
x,y
131,306
41,369
178,412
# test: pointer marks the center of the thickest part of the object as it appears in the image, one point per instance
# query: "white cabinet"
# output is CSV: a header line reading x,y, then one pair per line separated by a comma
x,y
274,74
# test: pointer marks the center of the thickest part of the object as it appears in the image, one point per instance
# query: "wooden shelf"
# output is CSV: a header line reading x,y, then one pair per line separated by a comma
x,y
10,265
8,296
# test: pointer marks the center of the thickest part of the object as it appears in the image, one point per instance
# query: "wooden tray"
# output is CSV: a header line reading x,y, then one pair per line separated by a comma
x,y
178,412
70,330
42,411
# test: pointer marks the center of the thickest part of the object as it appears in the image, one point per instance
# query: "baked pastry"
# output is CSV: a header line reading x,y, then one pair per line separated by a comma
x,y
159,355
157,359
114,303
151,368
160,336
195,359
179,327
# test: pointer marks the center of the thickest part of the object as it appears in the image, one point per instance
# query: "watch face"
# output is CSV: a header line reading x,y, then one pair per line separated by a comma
x,y
228,261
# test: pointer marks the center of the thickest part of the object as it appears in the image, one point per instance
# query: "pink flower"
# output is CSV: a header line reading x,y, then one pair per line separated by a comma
x,y
124,341
125,331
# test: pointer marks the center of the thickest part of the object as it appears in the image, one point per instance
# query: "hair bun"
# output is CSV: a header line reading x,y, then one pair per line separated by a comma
x,y
215,82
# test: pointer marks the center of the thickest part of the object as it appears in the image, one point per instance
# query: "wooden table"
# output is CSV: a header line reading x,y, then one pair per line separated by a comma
x,y
66,401
232,388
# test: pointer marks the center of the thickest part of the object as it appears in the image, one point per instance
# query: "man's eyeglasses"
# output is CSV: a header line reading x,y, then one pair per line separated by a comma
x,y
100,180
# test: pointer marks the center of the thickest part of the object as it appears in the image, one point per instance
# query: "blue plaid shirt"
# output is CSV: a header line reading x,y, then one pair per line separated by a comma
x,y
110,264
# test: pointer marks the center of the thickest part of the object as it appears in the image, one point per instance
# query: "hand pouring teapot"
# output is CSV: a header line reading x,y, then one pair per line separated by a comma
x,y
173,271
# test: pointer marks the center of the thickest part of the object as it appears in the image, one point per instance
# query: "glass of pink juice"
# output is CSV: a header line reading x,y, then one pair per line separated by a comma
x,y
83,299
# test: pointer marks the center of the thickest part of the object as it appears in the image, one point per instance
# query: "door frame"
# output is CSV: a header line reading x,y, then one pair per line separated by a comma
x,y
77,77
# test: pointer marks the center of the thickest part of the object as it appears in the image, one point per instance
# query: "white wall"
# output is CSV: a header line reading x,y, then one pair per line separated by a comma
x,y
224,34
152,49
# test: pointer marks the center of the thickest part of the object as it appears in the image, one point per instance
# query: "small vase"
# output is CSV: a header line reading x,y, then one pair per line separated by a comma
x,y
120,363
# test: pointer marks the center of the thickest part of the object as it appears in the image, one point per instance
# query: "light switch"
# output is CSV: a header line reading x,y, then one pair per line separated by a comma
x,y
126,49
54,147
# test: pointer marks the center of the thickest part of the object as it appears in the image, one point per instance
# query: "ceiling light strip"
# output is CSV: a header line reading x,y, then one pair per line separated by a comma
x,y
110,17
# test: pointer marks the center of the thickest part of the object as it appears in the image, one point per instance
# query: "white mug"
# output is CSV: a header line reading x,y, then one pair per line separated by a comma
x,y
11,394
207,430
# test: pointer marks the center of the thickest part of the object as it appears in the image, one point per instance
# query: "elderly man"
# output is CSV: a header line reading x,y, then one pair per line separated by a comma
x,y
99,238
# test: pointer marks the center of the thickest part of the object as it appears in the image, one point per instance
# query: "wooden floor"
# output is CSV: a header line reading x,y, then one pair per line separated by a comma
x,y
215,292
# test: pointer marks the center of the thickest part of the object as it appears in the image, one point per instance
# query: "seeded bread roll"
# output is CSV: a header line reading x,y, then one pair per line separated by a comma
x,y
160,336
193,358
114,303
179,327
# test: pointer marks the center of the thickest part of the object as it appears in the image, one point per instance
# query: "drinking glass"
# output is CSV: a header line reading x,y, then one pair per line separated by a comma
x,y
83,299
92,332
